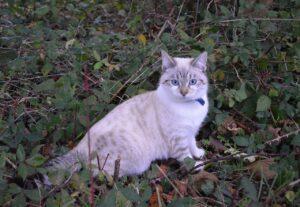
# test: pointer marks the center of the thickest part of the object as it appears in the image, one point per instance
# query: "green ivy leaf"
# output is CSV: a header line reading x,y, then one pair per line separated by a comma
x,y
121,200
189,162
220,117
109,199
296,140
42,11
187,201
98,65
19,201
262,63
45,86
130,194
273,92
22,171
2,160
249,188
241,94
96,55
225,11
32,194
263,103
183,35
14,189
36,160
47,68
21,153
242,141
207,187
290,195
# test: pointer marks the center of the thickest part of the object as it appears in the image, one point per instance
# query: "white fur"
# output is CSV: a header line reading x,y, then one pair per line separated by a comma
x,y
148,127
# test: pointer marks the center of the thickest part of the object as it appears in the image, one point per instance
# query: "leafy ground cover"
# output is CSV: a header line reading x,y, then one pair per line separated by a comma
x,y
65,64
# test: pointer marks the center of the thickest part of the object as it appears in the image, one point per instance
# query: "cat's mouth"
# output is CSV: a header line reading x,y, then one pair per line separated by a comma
x,y
186,98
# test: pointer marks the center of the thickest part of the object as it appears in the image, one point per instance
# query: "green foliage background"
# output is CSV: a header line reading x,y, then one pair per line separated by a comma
x,y
65,64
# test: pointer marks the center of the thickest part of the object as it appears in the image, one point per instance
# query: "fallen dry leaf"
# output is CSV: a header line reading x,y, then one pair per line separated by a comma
x,y
229,124
182,186
168,197
47,149
204,175
217,145
164,168
153,201
262,167
199,179
274,131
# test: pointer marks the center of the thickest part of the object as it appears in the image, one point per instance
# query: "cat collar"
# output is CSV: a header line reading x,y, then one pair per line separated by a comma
x,y
200,101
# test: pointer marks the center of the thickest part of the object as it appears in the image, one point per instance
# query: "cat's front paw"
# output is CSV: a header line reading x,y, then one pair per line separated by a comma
x,y
198,153
200,167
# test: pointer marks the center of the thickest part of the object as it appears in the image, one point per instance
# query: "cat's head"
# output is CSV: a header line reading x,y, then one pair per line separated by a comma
x,y
184,79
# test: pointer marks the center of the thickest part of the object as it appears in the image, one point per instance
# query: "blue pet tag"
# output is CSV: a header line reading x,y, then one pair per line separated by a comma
x,y
200,101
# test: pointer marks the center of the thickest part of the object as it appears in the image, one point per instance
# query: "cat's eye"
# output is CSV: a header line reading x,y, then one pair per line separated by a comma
x,y
192,82
175,82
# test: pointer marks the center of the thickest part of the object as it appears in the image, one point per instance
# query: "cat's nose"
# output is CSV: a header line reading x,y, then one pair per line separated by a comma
x,y
184,91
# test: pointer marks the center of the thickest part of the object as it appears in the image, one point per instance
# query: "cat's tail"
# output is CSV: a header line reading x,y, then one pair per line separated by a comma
x,y
70,162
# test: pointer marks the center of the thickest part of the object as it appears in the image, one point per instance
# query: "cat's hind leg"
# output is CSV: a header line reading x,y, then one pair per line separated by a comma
x,y
196,152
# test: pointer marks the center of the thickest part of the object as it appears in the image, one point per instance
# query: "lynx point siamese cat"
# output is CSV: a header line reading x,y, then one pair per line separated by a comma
x,y
159,124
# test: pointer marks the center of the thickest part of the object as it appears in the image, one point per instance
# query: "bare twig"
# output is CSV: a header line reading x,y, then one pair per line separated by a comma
x,y
162,30
285,188
105,161
240,155
196,16
11,163
258,19
237,73
86,88
164,174
208,5
211,200
296,182
178,16
117,168
158,196
280,138
247,118
98,163
58,186
128,80
132,76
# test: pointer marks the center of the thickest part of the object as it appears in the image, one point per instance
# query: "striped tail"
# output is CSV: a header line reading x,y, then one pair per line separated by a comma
x,y
69,162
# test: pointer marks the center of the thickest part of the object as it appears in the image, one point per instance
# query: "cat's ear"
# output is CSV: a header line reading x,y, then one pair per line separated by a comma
x,y
200,61
167,61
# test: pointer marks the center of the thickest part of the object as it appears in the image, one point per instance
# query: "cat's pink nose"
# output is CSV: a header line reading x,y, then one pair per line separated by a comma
x,y
184,91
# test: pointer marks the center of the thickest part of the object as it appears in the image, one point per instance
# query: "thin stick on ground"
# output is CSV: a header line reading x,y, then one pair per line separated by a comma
x,y
164,174
86,87
237,73
158,196
105,161
280,138
178,16
296,182
98,163
241,155
58,187
117,169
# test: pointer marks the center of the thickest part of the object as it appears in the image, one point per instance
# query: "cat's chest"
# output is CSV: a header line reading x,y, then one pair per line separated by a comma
x,y
186,118
190,116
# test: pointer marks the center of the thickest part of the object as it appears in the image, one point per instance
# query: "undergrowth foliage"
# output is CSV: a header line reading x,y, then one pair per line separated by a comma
x,y
65,64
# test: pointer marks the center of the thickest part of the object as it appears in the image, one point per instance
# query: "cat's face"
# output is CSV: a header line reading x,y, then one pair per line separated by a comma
x,y
184,78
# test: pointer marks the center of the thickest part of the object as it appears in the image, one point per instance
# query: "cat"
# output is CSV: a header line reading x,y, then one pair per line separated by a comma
x,y
156,125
